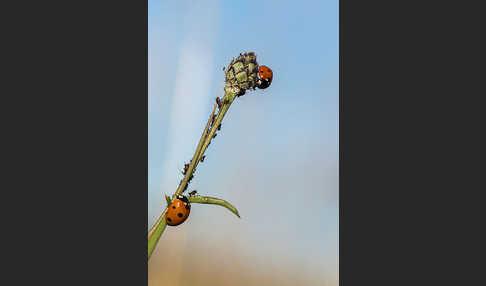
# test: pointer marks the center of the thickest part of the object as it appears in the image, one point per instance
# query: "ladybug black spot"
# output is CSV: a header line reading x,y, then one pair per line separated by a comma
x,y
179,214
173,207
169,219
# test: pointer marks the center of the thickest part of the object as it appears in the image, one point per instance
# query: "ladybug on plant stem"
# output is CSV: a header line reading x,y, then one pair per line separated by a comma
x,y
178,211
265,75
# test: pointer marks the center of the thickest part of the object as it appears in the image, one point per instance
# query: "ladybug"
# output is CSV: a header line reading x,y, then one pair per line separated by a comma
x,y
178,211
265,75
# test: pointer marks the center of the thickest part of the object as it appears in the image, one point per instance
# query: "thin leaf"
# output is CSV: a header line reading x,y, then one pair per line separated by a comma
x,y
169,201
213,201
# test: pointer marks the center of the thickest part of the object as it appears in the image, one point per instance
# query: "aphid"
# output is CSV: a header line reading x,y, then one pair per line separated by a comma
x,y
202,158
190,178
178,211
192,193
214,136
219,127
218,102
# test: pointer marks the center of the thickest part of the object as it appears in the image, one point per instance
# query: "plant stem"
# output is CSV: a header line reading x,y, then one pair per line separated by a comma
x,y
156,232
195,158
227,101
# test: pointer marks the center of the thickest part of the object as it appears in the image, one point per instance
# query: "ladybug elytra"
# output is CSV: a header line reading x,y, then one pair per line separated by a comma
x,y
265,75
178,211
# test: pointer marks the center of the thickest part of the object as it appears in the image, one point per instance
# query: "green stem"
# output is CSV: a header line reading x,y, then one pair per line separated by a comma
x,y
227,101
159,227
156,232
195,158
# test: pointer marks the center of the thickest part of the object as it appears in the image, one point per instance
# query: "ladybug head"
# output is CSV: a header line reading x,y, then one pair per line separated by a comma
x,y
183,198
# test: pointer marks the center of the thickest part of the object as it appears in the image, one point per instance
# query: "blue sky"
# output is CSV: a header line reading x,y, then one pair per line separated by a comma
x,y
276,157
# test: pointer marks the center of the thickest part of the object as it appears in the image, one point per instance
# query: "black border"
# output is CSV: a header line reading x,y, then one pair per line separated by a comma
x,y
75,193
408,130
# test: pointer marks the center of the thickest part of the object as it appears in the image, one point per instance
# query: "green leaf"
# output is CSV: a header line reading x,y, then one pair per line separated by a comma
x,y
169,201
213,201
155,233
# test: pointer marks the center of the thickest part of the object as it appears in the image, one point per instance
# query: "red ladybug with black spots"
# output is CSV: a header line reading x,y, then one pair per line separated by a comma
x,y
178,211
265,76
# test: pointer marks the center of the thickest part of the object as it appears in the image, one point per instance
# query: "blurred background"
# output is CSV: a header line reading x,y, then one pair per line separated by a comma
x,y
276,156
